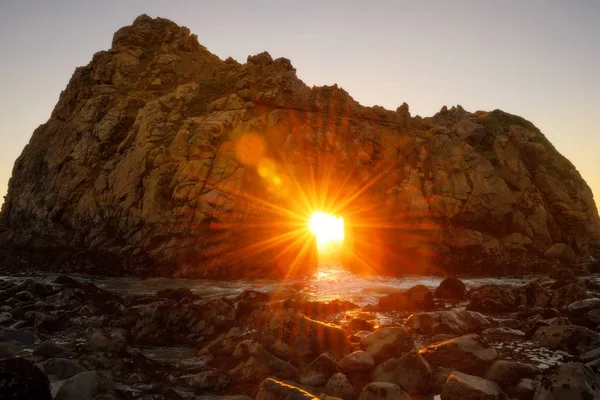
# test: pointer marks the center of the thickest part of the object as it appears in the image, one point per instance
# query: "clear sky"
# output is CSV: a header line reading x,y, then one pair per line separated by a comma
x,y
539,59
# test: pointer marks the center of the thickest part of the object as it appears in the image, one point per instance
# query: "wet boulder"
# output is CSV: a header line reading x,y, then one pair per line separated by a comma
x,y
295,337
388,342
414,299
451,289
318,372
460,386
572,338
580,308
455,322
62,368
79,387
383,391
491,299
411,371
506,373
568,294
20,379
358,361
569,381
470,354
271,389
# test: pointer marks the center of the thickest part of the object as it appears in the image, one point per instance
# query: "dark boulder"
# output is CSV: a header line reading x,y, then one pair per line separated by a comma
x,y
414,299
451,289
20,379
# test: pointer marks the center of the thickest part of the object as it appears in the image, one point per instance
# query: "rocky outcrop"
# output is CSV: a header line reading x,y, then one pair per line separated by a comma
x,y
160,158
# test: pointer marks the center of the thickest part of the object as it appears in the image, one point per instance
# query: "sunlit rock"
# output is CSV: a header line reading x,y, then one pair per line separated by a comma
x,y
162,159
388,342
297,338
470,354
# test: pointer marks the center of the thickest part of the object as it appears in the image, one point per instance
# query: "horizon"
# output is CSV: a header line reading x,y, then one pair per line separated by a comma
x,y
556,89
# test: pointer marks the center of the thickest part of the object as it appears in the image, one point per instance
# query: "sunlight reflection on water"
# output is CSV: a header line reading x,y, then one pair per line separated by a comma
x,y
329,282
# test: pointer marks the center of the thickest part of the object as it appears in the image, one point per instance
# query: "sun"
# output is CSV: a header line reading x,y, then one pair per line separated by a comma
x,y
329,231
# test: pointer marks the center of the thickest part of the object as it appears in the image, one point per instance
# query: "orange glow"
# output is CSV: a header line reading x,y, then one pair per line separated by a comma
x,y
329,231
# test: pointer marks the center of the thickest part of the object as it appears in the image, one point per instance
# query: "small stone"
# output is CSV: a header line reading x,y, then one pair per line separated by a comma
x,y
383,391
339,386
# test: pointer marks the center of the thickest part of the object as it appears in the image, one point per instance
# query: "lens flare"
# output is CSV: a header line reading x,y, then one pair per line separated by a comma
x,y
329,231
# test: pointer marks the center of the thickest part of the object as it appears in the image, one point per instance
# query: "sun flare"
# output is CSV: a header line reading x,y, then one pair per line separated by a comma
x,y
329,231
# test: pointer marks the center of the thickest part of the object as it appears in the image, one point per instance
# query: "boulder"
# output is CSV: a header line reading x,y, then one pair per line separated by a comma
x,y
295,337
260,366
359,324
388,342
451,289
339,386
561,252
572,338
579,308
416,298
492,299
62,368
318,372
461,386
271,389
470,354
79,387
525,389
569,381
24,336
20,379
49,349
568,294
455,322
358,361
411,371
506,373
593,317
383,391
590,355
9,349
533,294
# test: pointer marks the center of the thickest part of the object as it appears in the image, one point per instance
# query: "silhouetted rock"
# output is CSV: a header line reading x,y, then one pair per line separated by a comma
x,y
451,288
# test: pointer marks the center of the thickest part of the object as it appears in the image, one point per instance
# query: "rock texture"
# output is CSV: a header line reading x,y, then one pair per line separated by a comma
x,y
160,158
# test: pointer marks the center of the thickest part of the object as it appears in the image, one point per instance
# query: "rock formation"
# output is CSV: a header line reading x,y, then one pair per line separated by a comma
x,y
161,158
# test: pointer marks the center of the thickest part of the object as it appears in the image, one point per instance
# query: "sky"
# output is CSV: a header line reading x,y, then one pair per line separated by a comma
x,y
539,59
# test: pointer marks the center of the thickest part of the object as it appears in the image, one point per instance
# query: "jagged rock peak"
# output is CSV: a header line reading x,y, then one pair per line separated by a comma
x,y
165,159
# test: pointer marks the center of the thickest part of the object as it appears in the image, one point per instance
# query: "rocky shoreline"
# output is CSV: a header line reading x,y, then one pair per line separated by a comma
x,y
536,341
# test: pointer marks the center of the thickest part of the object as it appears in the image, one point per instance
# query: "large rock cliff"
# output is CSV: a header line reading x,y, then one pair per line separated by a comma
x,y
160,157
